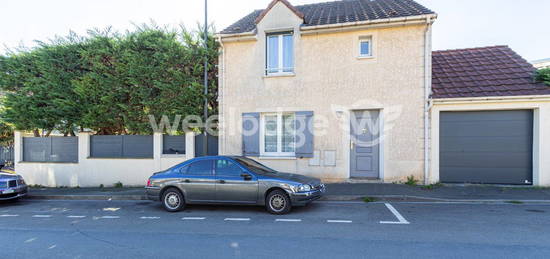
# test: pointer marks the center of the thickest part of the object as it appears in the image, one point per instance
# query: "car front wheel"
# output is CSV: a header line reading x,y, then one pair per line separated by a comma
x,y
278,202
172,200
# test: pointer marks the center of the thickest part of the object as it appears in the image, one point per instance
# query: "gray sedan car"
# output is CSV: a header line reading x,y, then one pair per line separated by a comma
x,y
12,186
231,180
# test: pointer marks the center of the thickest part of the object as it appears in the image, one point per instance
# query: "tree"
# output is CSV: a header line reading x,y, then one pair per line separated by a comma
x,y
108,82
38,89
543,75
146,72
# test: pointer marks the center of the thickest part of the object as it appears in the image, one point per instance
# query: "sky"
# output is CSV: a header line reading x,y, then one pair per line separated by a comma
x,y
521,24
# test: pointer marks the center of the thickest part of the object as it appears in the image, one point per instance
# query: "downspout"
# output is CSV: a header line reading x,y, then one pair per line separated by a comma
x,y
221,90
427,94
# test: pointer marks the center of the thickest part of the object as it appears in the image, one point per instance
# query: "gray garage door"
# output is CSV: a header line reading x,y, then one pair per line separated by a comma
x,y
492,147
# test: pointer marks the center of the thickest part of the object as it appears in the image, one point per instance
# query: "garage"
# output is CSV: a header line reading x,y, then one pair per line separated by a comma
x,y
488,147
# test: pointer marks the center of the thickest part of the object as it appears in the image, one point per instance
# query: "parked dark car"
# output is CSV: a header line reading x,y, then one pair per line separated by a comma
x,y
12,186
231,180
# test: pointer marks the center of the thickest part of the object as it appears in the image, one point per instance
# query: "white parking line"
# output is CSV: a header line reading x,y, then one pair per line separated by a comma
x,y
9,215
75,217
109,217
149,217
237,219
288,220
193,218
396,213
41,216
30,240
338,221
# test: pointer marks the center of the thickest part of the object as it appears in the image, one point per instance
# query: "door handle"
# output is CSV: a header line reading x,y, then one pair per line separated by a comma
x,y
186,181
221,181
351,144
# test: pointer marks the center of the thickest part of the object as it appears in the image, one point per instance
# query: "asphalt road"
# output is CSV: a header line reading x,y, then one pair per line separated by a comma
x,y
134,229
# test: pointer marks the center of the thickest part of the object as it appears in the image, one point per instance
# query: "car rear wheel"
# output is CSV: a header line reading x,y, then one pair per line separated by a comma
x,y
278,202
173,200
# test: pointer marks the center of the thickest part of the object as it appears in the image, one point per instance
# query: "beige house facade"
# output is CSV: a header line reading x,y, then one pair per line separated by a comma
x,y
340,70
351,90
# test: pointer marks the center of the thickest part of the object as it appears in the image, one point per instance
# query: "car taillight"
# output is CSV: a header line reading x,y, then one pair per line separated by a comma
x,y
149,183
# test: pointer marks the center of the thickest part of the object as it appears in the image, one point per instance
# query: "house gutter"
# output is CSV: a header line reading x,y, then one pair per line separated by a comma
x,y
245,36
427,94
493,99
369,24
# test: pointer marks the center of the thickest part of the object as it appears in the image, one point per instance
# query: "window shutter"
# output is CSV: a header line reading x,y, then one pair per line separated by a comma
x,y
304,134
251,134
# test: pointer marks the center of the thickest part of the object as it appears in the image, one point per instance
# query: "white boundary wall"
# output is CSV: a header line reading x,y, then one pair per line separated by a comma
x,y
92,172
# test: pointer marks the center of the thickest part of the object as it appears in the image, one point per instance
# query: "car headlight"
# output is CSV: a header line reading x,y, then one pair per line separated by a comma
x,y
304,188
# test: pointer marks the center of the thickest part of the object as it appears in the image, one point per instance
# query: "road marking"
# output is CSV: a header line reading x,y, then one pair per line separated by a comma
x,y
75,217
396,213
9,215
338,221
288,220
52,247
111,209
109,217
30,240
237,219
149,217
41,216
193,218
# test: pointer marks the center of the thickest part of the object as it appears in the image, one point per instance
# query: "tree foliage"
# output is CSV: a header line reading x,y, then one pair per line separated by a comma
x,y
543,75
108,82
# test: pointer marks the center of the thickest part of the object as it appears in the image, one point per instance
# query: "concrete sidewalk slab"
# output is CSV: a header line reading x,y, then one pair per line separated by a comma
x,y
339,192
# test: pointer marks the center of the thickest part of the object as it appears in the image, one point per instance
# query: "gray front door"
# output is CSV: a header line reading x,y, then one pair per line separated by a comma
x,y
365,149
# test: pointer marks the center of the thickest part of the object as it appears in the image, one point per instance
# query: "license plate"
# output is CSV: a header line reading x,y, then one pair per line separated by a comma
x,y
8,191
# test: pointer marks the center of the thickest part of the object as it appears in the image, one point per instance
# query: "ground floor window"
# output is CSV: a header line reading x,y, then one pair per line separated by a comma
x,y
278,134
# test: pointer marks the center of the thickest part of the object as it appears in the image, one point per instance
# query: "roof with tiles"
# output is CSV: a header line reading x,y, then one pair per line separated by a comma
x,y
483,72
343,11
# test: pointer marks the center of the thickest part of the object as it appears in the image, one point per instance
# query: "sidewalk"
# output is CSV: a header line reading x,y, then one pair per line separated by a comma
x,y
338,192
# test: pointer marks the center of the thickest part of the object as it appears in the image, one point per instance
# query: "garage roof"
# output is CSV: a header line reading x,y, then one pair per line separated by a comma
x,y
481,72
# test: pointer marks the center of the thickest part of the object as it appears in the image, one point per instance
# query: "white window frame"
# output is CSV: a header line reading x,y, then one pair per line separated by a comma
x,y
279,152
280,55
370,41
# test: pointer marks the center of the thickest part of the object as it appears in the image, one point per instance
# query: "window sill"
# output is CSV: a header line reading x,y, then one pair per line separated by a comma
x,y
277,158
280,75
365,57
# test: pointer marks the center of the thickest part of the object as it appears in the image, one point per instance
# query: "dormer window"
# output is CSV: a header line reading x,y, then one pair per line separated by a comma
x,y
280,53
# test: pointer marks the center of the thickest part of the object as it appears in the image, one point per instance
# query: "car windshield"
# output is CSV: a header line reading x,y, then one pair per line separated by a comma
x,y
254,166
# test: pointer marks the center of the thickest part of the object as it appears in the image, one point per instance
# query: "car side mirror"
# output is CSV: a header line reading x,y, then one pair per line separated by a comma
x,y
246,176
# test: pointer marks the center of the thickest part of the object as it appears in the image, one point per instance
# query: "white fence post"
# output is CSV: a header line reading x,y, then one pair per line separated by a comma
x,y
17,147
189,145
157,149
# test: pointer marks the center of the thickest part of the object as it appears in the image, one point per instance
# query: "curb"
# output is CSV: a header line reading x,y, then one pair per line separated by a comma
x,y
378,198
89,197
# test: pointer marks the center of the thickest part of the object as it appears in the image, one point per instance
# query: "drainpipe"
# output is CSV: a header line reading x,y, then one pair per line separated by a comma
x,y
427,93
221,90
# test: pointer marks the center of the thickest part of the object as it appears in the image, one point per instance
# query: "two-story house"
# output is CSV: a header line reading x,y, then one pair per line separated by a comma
x,y
335,90
352,89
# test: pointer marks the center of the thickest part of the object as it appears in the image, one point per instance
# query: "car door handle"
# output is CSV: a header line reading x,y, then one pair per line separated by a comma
x,y
221,181
186,181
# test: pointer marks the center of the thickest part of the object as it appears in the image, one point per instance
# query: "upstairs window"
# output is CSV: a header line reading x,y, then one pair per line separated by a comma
x,y
365,46
280,53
